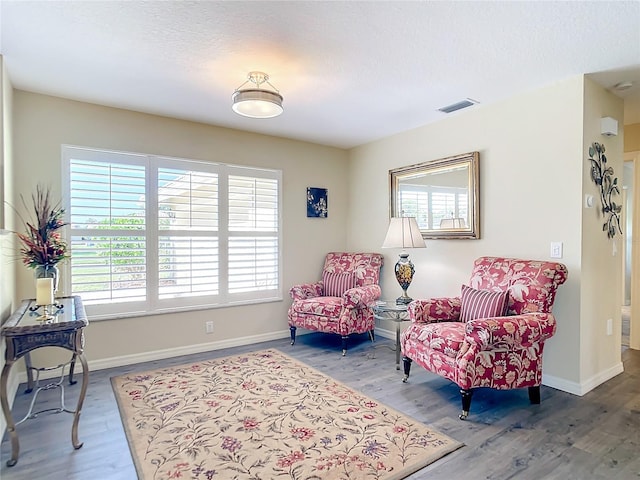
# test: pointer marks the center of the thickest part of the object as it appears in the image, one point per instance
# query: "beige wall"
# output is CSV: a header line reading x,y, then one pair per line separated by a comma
x,y
632,137
7,262
43,123
531,179
601,259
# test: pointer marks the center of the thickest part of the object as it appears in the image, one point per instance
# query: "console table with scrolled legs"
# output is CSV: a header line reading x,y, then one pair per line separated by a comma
x,y
26,330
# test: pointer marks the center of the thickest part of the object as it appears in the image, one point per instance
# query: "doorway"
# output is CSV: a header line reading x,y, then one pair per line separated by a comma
x,y
631,252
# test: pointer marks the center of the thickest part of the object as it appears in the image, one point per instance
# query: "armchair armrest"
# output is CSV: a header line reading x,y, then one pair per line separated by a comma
x,y
513,331
306,290
359,297
435,310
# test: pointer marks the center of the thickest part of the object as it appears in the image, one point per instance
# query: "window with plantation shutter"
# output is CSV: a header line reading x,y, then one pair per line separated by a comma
x,y
431,204
152,234
188,263
253,233
108,229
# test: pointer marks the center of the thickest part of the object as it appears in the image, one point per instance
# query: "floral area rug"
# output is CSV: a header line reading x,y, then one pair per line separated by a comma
x,y
265,416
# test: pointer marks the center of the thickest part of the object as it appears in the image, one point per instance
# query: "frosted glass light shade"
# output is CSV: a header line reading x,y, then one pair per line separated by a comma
x,y
256,103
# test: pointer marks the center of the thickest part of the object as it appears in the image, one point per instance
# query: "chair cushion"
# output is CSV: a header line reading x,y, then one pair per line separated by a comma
x,y
482,303
443,337
319,306
335,284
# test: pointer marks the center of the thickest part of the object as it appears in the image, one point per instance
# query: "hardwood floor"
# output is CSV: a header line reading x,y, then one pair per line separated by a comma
x,y
596,436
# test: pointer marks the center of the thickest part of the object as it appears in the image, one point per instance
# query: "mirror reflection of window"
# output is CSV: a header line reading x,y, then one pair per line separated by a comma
x,y
442,195
434,197
452,223
432,205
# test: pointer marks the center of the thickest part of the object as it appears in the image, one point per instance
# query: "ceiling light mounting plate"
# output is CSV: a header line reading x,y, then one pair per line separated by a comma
x,y
258,78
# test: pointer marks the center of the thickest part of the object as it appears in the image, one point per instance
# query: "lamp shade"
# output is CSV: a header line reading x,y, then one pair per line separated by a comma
x,y
403,233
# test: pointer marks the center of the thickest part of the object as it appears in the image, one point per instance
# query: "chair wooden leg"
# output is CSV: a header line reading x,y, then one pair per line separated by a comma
x,y
534,395
293,334
466,402
372,336
406,363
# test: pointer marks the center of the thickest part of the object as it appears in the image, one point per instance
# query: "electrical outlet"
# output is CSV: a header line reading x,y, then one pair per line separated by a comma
x,y
610,326
208,327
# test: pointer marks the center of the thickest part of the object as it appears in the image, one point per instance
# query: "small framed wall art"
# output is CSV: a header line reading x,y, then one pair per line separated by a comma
x,y
317,202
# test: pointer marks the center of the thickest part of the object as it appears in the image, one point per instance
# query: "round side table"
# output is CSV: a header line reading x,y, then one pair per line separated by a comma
x,y
389,310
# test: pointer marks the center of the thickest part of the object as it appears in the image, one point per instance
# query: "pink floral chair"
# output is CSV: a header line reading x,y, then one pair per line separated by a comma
x,y
493,334
340,302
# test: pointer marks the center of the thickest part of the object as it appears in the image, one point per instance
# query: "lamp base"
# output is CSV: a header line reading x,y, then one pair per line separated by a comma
x,y
404,274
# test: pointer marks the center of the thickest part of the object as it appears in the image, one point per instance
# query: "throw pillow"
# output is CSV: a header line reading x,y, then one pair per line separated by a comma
x,y
335,284
482,303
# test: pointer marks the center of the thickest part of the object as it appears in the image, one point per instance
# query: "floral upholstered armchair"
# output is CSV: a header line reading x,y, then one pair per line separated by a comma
x,y
493,334
339,303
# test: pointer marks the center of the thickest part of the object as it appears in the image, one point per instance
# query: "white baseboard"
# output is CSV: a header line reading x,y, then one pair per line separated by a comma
x,y
176,352
582,388
15,380
391,334
165,353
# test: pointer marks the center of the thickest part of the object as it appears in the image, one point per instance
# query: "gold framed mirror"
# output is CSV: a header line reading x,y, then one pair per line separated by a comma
x,y
443,195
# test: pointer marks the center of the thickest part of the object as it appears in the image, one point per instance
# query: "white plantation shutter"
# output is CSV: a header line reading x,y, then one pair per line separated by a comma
x,y
188,266
253,264
153,234
442,205
415,203
462,202
253,234
108,241
188,210
187,200
449,202
430,205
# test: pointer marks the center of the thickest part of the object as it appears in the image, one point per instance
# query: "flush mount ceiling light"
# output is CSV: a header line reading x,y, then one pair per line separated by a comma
x,y
256,102
626,85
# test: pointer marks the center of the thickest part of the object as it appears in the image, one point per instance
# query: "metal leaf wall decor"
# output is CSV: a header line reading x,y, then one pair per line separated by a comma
x,y
608,186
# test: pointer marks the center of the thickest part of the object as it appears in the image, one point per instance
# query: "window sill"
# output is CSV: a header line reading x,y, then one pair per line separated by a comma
x,y
126,315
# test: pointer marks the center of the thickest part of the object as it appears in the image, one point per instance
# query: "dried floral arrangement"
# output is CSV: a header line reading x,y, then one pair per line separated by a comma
x,y
42,244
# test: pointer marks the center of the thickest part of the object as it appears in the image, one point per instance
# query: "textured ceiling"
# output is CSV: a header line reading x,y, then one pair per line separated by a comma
x,y
350,72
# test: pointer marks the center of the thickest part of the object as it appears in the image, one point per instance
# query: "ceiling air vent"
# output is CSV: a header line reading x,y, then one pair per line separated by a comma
x,y
457,106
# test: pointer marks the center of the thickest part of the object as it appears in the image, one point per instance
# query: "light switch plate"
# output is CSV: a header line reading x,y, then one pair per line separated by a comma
x,y
556,250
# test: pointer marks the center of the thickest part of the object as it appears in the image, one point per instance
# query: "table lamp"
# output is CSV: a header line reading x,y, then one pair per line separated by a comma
x,y
404,233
